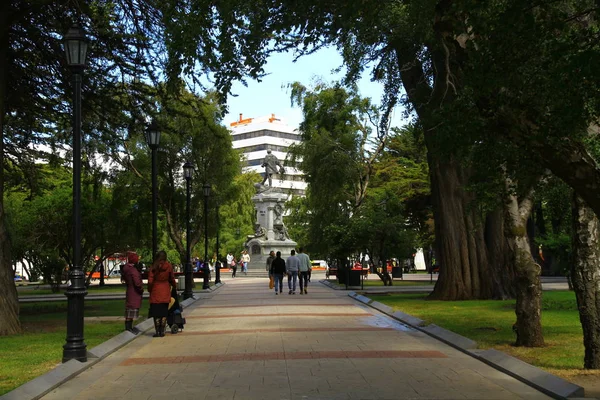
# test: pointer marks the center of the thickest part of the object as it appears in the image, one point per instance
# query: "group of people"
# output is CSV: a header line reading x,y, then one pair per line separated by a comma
x,y
297,267
161,283
243,261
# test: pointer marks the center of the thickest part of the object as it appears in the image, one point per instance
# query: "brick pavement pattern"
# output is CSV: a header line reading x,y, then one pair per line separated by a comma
x,y
244,342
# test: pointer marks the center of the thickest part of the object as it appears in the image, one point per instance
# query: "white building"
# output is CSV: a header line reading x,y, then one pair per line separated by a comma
x,y
254,136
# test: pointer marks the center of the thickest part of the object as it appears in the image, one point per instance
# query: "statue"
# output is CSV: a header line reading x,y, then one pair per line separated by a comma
x,y
281,232
259,231
270,163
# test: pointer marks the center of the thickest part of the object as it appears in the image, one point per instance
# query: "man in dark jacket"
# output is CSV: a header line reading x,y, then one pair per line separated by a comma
x,y
277,270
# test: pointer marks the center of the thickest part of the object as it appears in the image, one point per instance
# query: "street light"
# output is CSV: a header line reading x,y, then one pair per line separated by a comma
x,y
218,263
188,171
153,140
206,191
76,44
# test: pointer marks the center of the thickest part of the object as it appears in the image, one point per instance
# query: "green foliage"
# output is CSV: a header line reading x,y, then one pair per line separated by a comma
x,y
336,164
237,214
365,194
41,226
190,131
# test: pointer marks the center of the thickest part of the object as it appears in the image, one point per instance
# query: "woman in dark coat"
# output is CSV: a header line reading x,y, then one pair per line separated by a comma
x,y
160,280
133,296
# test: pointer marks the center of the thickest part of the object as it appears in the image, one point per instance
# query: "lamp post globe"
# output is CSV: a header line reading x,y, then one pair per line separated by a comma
x,y
75,43
188,171
153,140
206,272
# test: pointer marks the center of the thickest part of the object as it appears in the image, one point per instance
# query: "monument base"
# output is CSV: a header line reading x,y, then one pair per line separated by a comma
x,y
259,251
270,231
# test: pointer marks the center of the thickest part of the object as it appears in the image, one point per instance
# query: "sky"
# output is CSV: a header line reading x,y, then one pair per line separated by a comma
x,y
271,95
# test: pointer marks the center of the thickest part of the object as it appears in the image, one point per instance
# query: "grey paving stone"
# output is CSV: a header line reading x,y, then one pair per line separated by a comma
x,y
41,385
547,383
382,307
113,344
449,337
409,319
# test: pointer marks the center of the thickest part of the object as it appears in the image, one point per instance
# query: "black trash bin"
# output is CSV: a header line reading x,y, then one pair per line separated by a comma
x,y
396,272
354,278
341,276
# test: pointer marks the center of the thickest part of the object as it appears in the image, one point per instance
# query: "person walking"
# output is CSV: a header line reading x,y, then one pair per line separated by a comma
x,y
160,280
277,270
233,266
133,295
268,267
303,270
245,261
292,264
229,259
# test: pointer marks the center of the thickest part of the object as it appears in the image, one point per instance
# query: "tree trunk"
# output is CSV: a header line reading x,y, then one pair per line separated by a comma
x,y
585,274
527,275
459,230
459,240
501,256
9,302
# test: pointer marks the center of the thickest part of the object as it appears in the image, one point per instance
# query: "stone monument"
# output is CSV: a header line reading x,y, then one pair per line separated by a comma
x,y
270,232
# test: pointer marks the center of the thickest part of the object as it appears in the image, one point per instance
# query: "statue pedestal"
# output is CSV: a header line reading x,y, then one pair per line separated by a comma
x,y
271,232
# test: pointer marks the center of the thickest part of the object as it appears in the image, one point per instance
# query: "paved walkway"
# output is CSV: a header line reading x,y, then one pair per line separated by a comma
x,y
244,342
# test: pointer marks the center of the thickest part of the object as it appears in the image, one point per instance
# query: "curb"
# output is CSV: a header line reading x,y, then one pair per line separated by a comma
x,y
43,384
537,378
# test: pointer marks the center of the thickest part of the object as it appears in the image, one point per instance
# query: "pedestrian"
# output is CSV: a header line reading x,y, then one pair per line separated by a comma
x,y
229,259
268,267
160,280
269,261
133,295
233,267
245,261
277,270
304,270
292,264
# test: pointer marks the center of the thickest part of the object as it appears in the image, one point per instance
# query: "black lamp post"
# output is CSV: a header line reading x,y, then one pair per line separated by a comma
x,y
76,44
153,140
218,263
206,191
188,171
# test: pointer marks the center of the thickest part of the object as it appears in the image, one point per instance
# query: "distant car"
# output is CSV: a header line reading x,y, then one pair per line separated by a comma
x,y
115,273
18,278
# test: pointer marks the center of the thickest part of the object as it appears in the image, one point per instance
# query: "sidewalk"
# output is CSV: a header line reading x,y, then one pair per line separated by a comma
x,y
243,342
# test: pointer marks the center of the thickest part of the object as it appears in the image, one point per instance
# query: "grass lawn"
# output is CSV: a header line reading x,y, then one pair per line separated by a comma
x,y
489,323
376,282
93,289
39,348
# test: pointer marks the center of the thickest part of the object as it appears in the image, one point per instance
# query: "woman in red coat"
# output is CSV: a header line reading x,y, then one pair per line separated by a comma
x,y
133,296
160,280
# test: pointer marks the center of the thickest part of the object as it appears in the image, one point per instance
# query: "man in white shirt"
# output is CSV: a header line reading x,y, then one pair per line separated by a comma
x,y
292,265
304,270
229,259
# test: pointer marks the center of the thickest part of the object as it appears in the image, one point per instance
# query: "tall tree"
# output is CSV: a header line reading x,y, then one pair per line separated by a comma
x,y
190,132
341,141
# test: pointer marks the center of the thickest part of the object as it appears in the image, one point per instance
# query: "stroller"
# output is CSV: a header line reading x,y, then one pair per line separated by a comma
x,y
175,319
